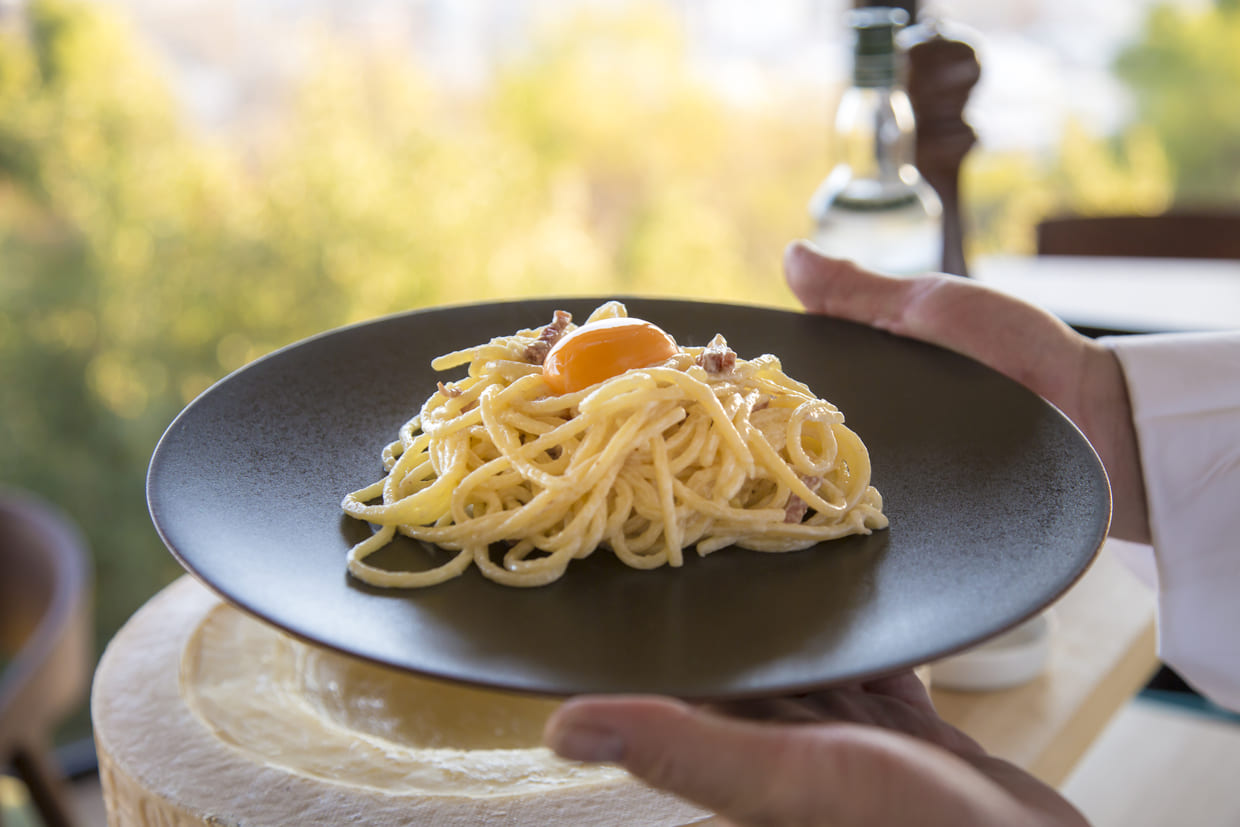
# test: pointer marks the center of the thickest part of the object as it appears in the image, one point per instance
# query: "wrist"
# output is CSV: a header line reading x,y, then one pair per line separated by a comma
x,y
1105,416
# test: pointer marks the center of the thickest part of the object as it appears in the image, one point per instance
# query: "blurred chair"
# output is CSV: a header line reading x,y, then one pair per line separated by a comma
x,y
1175,234
45,631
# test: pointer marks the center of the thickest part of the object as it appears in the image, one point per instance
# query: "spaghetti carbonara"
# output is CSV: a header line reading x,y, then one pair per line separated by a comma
x,y
696,449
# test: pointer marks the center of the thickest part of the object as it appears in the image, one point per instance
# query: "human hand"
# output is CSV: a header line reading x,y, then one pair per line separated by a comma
x,y
1076,374
871,753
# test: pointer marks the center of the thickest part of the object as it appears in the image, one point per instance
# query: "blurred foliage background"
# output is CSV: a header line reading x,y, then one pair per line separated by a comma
x,y
141,260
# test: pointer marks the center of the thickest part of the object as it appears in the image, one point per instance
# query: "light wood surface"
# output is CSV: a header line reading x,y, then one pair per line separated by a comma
x,y
1102,653
1158,765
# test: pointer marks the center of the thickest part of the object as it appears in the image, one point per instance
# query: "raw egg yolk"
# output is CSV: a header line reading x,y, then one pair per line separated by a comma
x,y
600,350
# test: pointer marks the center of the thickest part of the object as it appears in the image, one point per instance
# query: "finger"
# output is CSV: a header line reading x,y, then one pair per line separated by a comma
x,y
930,307
1022,341
756,774
839,288
783,710
896,714
904,686
695,754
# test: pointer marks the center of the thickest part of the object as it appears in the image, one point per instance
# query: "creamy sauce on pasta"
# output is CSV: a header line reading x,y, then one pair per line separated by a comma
x,y
691,452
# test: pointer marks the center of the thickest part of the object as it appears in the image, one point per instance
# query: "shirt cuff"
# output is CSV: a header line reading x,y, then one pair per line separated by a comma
x,y
1185,394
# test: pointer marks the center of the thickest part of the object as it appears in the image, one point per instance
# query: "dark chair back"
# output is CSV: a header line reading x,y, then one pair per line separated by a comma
x,y
1177,234
45,632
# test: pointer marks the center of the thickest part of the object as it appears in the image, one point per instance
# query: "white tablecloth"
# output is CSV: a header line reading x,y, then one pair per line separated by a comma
x,y
1139,295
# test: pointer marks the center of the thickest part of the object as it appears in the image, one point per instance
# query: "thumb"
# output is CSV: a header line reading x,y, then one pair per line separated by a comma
x,y
1017,339
839,288
753,773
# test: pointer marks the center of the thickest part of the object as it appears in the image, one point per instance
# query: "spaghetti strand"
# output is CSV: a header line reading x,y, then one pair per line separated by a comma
x,y
646,463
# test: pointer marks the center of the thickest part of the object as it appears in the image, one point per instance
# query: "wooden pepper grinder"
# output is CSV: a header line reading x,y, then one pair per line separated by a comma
x,y
941,75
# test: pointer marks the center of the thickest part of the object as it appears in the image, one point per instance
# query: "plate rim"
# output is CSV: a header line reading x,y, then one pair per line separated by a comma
x,y
160,450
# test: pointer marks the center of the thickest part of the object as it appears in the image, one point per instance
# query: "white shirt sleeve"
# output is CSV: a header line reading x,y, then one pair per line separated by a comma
x,y
1185,391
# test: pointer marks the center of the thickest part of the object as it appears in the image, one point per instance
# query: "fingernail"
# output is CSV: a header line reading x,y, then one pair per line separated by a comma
x,y
812,246
587,743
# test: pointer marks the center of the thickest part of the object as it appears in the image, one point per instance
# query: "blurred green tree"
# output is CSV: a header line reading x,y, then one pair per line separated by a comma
x,y
89,155
1181,148
1184,73
140,261
1008,193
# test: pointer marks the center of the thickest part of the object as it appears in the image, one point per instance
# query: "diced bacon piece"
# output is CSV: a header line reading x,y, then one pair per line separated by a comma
x,y
794,511
536,352
717,358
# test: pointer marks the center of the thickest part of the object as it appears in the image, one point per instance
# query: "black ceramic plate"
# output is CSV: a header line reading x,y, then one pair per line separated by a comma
x,y
997,505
